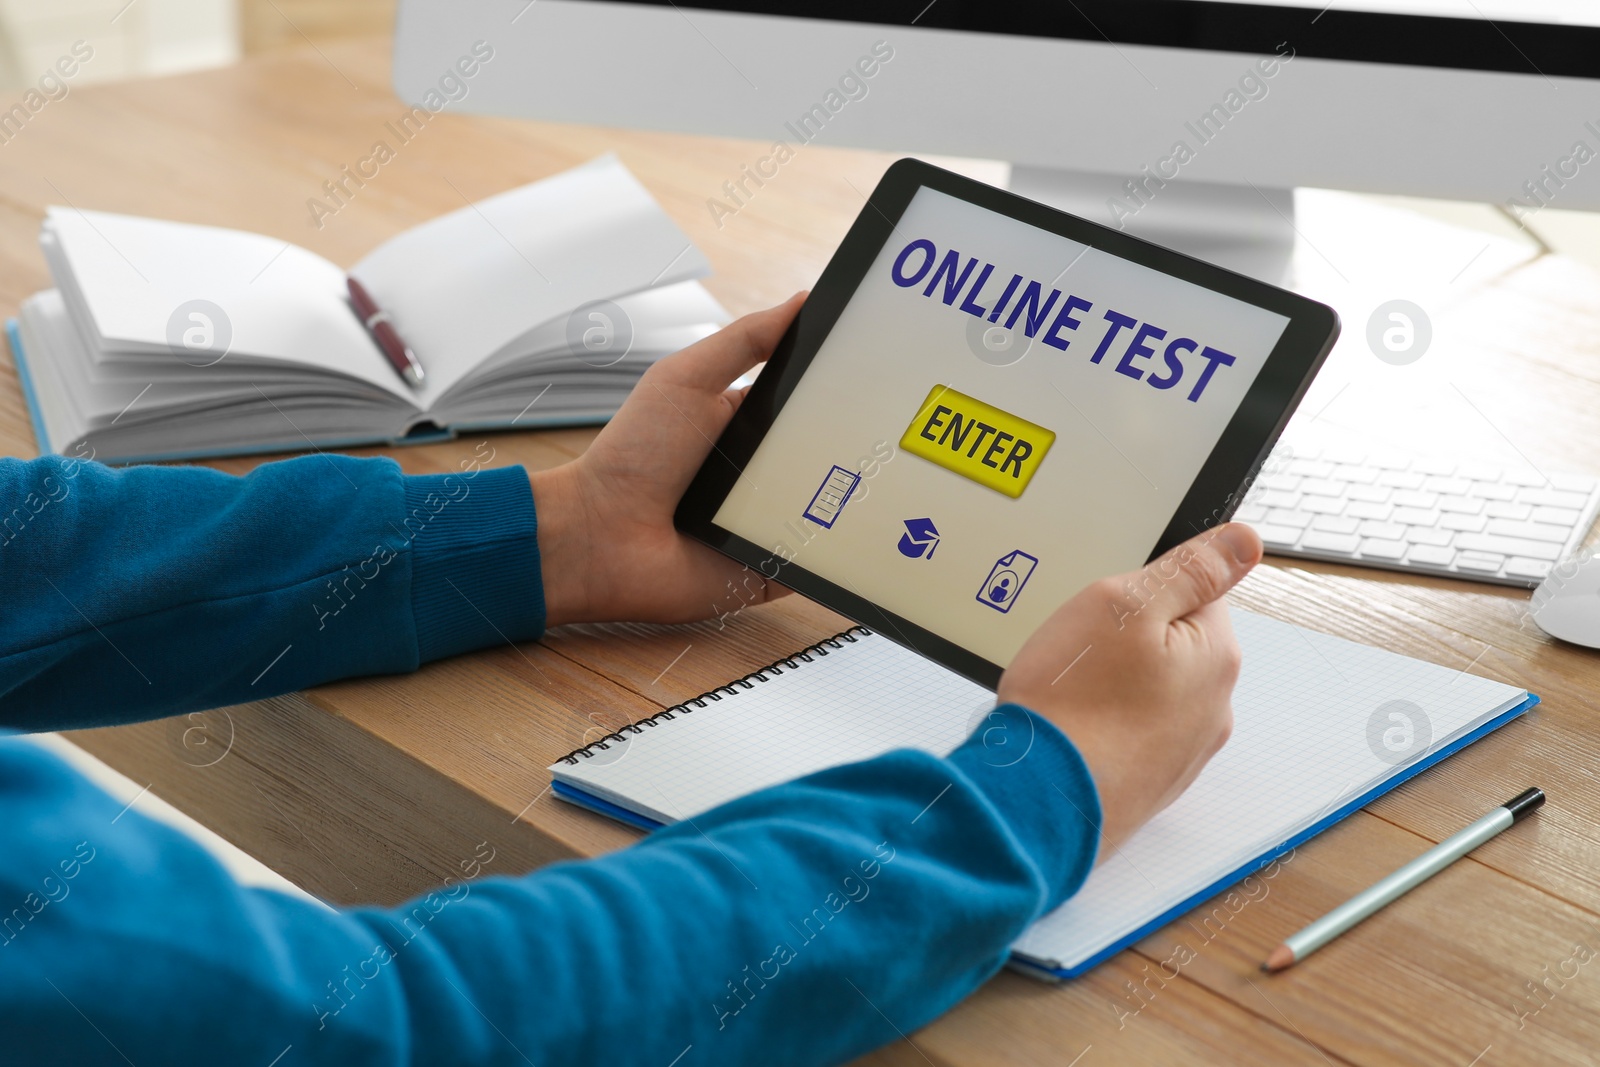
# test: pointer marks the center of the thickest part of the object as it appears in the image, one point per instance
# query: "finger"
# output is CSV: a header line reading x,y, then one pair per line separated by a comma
x,y
1212,628
1212,620
744,585
735,397
716,361
775,590
1199,571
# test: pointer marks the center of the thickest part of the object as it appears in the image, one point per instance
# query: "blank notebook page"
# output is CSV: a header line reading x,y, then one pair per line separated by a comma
x,y
859,700
1311,713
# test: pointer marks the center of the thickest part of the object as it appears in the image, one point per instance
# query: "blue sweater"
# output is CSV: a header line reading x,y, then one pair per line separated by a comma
x,y
804,924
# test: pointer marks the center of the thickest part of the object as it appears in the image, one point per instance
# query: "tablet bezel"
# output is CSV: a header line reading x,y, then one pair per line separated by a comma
x,y
1212,498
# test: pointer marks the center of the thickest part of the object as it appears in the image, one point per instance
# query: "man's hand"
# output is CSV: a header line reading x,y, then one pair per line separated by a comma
x,y
1138,671
608,547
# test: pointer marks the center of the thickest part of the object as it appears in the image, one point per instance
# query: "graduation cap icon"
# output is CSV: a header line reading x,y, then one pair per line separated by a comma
x,y
920,539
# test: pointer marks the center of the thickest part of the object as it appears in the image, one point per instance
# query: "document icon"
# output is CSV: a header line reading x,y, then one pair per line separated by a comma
x,y
832,496
1006,579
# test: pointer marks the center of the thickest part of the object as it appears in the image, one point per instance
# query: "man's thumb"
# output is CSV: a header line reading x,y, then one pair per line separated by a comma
x,y
714,362
1203,568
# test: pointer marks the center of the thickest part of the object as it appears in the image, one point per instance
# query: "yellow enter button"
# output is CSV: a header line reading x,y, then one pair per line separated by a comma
x,y
977,440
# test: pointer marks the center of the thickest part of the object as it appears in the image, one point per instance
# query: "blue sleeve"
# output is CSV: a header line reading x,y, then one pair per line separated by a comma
x,y
870,897
804,924
150,591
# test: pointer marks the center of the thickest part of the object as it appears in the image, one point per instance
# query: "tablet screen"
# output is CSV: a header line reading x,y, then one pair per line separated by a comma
x,y
999,416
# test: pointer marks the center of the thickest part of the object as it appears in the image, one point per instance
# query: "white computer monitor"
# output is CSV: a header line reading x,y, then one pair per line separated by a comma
x,y
1188,122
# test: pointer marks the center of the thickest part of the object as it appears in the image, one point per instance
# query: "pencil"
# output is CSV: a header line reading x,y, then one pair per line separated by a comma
x,y
1407,878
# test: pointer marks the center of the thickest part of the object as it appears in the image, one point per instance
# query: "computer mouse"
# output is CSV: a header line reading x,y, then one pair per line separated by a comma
x,y
1567,603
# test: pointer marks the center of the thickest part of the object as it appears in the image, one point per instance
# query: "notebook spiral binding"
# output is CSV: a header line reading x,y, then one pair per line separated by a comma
x,y
771,670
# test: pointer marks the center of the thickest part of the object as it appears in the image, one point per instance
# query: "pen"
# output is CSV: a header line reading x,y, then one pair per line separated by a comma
x,y
1413,874
401,358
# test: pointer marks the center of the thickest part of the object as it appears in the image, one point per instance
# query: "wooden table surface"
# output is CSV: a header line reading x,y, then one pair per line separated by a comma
x,y
375,789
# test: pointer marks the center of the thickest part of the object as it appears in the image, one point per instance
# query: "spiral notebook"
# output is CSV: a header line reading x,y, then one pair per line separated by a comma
x,y
1323,726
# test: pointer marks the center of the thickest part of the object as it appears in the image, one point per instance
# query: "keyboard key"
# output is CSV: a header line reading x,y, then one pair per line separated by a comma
x,y
1378,548
1250,513
1483,562
1524,476
1278,480
1372,494
1464,505
1277,536
1471,523
1498,509
1311,468
1453,486
1335,524
1493,491
1431,555
1424,535
1355,472
1289,517
1322,505
1386,531
1414,498
1480,472
1360,509
1509,546
1345,455
1432,465
1554,498
1277,498
1564,516
1536,531
1401,480
1576,483
1522,567
1323,487
1323,541
1416,516
1389,461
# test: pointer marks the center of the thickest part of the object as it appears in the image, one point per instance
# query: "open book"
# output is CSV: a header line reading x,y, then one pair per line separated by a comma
x,y
541,306
1323,726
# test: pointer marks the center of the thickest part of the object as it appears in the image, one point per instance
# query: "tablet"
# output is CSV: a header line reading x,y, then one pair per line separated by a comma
x,y
986,404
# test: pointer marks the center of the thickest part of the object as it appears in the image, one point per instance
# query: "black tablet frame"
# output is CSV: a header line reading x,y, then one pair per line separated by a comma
x,y
1212,498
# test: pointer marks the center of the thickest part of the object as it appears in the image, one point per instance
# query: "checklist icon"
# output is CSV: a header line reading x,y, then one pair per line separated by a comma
x,y
832,496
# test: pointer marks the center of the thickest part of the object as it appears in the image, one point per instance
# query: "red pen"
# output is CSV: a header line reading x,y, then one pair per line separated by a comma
x,y
376,320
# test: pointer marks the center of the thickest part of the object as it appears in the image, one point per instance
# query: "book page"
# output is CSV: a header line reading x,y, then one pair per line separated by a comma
x,y
464,285
143,282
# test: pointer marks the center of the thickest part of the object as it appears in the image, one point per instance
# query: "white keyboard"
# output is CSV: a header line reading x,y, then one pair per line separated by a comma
x,y
1379,509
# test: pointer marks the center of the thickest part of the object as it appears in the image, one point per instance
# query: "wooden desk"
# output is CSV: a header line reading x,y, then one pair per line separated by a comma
x,y
375,789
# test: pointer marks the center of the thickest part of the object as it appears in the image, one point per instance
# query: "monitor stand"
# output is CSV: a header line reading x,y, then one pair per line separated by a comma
x,y
1245,228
